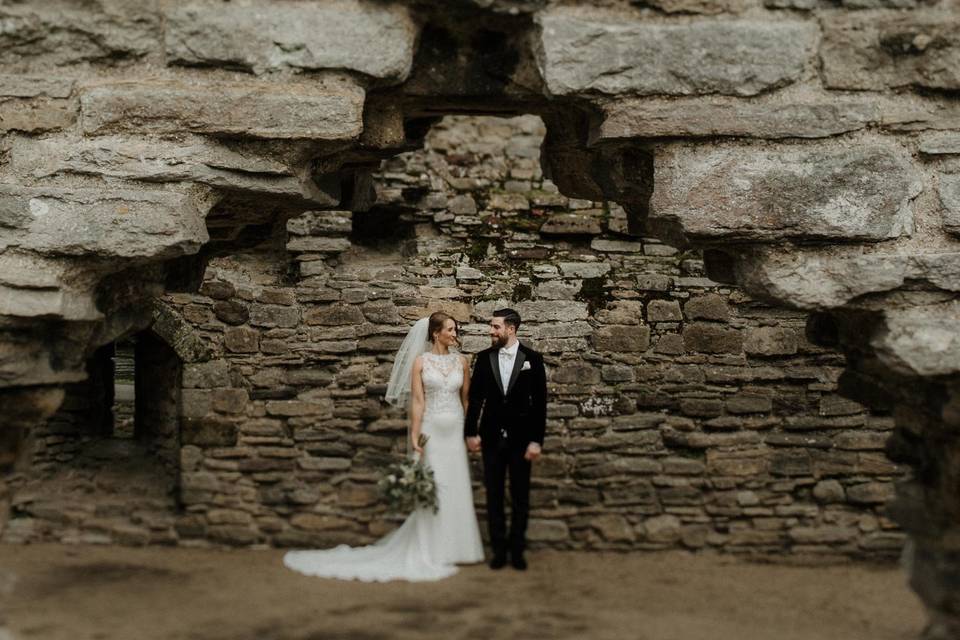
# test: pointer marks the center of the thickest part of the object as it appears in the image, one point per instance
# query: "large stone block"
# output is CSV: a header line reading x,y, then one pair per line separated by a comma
x,y
33,286
622,338
52,34
921,340
821,278
880,50
28,86
206,375
939,144
106,222
826,193
376,39
188,159
707,307
334,315
36,114
210,431
657,118
331,109
664,311
771,341
584,52
707,337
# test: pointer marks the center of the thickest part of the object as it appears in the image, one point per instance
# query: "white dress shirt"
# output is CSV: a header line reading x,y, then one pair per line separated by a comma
x,y
508,356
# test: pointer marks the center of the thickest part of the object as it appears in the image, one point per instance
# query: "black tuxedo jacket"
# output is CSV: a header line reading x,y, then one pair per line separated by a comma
x,y
521,411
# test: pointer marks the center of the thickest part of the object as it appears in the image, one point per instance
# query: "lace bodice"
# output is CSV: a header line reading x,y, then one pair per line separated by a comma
x,y
442,379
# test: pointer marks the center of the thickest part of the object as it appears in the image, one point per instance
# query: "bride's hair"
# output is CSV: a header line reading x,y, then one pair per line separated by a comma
x,y
437,320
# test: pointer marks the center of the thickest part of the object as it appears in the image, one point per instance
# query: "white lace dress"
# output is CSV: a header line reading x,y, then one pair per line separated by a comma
x,y
427,546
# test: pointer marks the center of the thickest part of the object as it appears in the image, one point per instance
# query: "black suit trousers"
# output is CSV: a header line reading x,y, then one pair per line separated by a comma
x,y
499,458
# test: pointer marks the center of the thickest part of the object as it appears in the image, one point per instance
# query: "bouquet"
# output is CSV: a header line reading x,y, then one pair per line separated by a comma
x,y
409,485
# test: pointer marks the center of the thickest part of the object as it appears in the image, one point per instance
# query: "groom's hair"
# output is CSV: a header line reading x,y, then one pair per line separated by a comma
x,y
509,316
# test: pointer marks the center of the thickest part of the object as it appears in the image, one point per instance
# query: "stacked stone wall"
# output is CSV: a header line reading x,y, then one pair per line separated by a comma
x,y
682,413
809,147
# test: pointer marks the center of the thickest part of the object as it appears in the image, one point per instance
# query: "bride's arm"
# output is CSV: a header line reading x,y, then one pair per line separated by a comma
x,y
465,388
416,404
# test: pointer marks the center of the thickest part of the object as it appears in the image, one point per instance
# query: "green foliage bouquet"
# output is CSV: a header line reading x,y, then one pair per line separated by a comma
x,y
409,485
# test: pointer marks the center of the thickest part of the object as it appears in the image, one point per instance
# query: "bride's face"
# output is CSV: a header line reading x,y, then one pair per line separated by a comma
x,y
447,336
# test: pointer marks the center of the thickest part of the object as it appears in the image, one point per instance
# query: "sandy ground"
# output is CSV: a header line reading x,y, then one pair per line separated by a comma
x,y
99,593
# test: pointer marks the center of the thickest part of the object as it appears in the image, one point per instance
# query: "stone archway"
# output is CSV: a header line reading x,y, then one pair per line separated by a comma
x,y
122,169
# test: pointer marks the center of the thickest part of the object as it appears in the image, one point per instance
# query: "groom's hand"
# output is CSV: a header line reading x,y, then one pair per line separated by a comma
x,y
533,452
473,443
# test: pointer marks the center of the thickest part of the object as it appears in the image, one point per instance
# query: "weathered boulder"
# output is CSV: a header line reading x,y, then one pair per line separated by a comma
x,y
596,52
858,193
376,39
330,109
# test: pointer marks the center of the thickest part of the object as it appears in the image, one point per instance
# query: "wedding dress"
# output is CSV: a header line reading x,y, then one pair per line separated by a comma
x,y
428,545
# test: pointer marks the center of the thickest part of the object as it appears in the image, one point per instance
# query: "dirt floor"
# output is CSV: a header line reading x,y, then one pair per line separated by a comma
x,y
54,592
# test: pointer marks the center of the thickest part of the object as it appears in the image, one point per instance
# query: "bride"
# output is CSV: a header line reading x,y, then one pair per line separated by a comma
x,y
435,381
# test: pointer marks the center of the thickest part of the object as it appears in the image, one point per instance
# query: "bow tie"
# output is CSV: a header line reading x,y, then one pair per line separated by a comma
x,y
505,354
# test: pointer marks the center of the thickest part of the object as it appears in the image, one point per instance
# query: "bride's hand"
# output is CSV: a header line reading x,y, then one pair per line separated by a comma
x,y
416,447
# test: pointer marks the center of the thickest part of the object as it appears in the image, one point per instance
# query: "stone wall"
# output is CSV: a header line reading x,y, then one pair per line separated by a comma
x,y
682,413
808,147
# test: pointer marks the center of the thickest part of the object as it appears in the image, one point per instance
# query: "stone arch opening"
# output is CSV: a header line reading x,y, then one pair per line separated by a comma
x,y
104,467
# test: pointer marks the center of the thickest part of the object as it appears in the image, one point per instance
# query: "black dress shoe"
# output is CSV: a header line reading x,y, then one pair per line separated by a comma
x,y
498,561
518,562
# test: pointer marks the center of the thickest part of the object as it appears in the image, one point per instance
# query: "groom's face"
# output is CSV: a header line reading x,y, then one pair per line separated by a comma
x,y
500,333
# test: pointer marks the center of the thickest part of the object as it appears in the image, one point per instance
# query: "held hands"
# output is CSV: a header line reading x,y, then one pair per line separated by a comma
x,y
532,453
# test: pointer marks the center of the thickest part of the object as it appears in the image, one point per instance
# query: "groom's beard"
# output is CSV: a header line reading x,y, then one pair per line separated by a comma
x,y
498,343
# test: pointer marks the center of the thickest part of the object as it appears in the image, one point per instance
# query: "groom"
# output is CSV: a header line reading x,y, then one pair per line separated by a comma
x,y
509,387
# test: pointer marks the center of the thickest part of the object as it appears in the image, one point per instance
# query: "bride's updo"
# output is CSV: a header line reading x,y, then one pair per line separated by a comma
x,y
437,320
